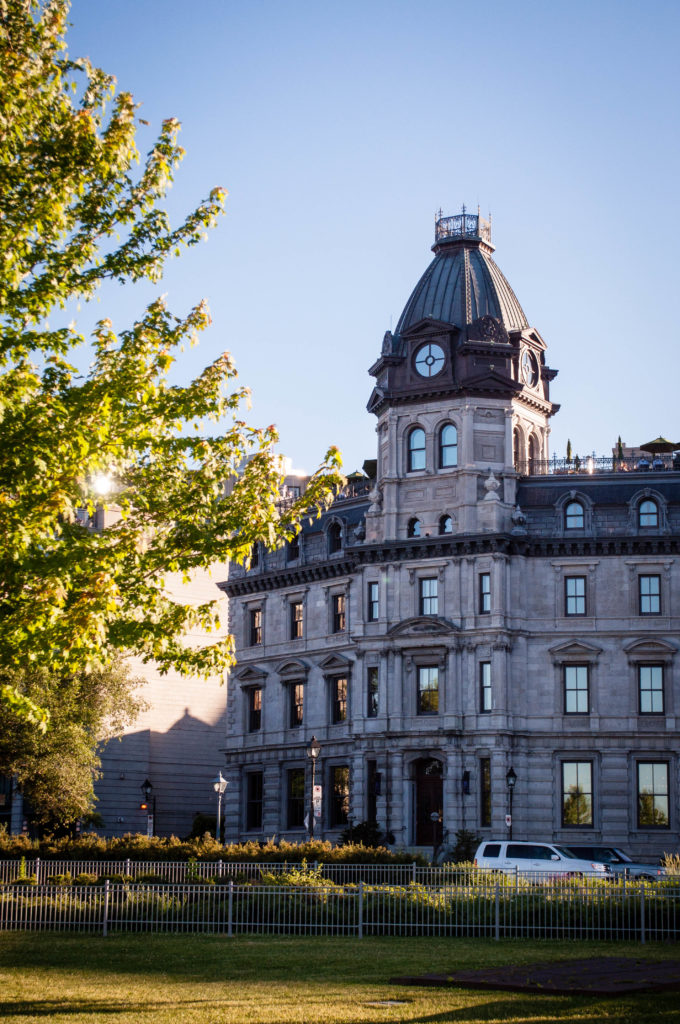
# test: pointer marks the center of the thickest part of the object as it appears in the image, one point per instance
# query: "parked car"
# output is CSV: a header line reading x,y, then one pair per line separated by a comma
x,y
536,859
619,861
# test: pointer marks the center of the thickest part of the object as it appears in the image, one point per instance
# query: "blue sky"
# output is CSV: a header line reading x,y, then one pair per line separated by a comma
x,y
340,128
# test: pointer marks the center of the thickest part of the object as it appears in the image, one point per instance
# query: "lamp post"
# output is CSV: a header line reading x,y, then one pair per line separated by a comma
x,y
219,785
149,805
313,751
510,780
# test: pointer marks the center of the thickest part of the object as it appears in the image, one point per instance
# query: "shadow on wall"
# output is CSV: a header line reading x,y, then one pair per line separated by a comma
x,y
180,764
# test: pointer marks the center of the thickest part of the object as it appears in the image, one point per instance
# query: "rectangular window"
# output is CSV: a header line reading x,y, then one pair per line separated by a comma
x,y
254,800
652,794
484,593
255,623
297,697
577,793
575,595
576,690
429,605
372,691
650,595
338,613
650,683
339,811
485,792
254,708
485,697
296,620
428,690
373,602
296,798
339,703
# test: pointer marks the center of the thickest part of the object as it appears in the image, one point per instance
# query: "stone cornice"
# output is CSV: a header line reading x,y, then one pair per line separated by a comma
x,y
416,549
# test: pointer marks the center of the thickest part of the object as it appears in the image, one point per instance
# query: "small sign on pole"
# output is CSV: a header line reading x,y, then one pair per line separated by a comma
x,y
149,825
508,820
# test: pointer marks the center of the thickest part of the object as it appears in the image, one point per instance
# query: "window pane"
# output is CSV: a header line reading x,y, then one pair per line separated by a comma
x,y
416,449
296,620
339,700
296,797
372,691
338,613
577,793
448,446
254,709
485,701
254,800
650,595
296,704
373,602
574,516
339,795
653,794
576,689
429,604
651,689
484,593
428,690
649,514
575,591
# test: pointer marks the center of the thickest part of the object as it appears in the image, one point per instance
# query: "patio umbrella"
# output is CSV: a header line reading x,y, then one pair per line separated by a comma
x,y
660,446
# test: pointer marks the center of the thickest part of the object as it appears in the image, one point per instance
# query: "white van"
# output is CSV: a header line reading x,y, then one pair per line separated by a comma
x,y
536,859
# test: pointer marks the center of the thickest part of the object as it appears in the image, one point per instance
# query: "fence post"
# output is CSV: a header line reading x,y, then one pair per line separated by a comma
x,y
230,920
219,870
413,872
105,923
128,867
642,912
37,870
497,912
360,923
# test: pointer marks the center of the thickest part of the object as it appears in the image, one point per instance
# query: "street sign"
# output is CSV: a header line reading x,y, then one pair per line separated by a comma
x,y
316,800
508,820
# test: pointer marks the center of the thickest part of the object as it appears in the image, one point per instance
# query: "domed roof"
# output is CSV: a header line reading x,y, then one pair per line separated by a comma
x,y
462,283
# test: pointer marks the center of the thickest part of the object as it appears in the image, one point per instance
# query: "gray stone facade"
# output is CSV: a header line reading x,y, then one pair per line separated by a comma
x,y
468,608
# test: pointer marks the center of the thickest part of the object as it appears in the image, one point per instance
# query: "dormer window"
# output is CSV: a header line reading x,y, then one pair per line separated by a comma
x,y
413,529
448,446
416,450
334,538
648,514
574,516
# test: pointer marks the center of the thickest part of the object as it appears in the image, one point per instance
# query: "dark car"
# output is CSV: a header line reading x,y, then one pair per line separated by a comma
x,y
619,861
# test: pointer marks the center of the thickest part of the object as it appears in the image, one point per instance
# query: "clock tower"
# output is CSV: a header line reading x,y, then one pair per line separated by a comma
x,y
461,396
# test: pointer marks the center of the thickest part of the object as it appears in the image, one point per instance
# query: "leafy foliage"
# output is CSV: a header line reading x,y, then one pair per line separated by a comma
x,y
74,215
56,769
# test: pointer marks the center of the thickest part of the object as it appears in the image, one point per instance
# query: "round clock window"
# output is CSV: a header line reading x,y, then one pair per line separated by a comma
x,y
429,360
529,369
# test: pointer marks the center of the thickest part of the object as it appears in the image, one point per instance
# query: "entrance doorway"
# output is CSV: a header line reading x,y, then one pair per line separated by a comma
x,y
428,773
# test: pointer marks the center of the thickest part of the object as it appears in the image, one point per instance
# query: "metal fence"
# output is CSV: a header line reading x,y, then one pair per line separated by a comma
x,y
492,908
195,871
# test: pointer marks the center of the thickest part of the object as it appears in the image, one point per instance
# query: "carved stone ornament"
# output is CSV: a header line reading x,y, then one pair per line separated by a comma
x,y
375,498
423,625
387,344
360,531
492,486
519,521
487,328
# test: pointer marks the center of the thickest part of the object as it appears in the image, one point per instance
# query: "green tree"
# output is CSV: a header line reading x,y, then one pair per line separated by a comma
x,y
56,769
74,214
577,808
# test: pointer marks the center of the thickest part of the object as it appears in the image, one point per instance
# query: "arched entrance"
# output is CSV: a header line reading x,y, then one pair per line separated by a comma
x,y
427,774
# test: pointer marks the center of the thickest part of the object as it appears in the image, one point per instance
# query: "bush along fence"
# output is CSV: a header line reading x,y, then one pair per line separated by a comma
x,y
490,907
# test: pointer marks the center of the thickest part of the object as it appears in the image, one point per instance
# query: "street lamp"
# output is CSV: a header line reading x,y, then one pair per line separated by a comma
x,y
149,805
435,819
510,780
219,785
313,751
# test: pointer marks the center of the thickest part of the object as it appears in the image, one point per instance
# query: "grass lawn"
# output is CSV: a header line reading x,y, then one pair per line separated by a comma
x,y
204,979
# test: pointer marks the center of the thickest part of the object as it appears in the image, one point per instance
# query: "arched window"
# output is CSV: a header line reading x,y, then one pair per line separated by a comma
x,y
416,449
574,516
448,446
413,529
446,524
534,452
648,513
334,538
517,447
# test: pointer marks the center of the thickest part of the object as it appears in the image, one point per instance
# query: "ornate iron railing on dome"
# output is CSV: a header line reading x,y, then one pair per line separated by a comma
x,y
462,225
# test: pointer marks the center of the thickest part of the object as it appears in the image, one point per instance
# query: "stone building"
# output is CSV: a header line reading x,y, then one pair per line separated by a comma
x,y
469,607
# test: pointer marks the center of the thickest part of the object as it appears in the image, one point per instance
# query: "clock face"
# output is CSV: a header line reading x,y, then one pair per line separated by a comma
x,y
430,360
529,368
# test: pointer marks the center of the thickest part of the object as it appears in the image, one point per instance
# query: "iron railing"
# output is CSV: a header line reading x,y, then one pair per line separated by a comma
x,y
586,465
487,907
